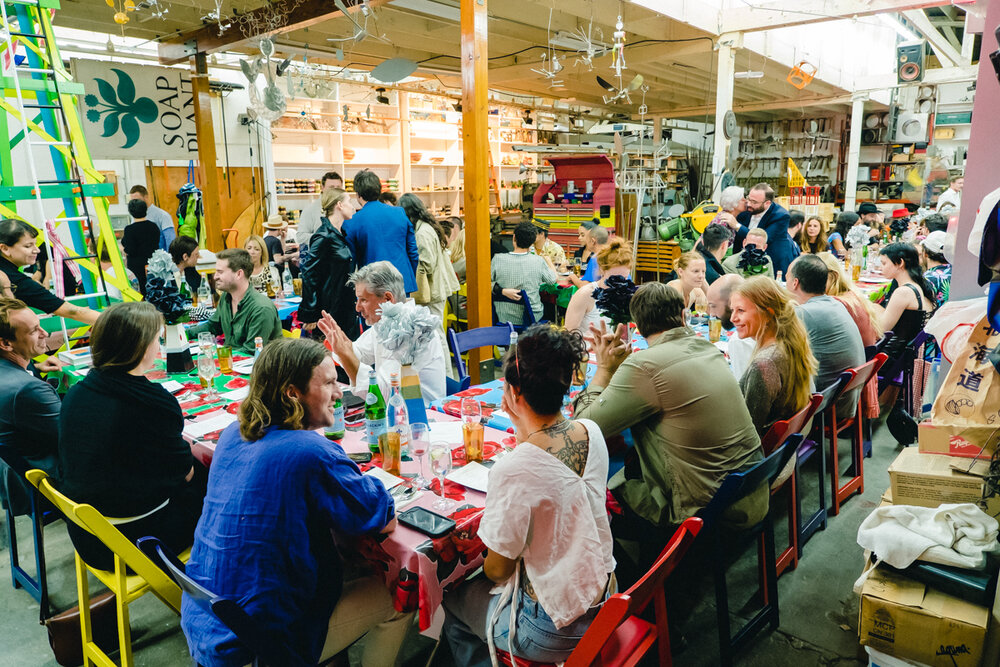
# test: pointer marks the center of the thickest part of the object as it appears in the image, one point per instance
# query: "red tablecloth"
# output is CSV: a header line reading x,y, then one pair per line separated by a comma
x,y
417,569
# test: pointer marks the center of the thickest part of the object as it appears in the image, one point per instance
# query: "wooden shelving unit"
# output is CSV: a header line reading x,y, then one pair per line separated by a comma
x,y
415,141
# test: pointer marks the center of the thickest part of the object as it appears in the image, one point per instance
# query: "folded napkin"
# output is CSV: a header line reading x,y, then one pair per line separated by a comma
x,y
956,534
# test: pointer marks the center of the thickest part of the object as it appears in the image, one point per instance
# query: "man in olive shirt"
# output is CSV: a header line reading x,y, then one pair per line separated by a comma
x,y
688,419
243,313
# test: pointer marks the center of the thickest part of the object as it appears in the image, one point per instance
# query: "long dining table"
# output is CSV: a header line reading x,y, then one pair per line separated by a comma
x,y
417,569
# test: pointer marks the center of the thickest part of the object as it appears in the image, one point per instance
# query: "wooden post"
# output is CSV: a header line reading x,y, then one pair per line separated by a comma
x,y
207,169
475,135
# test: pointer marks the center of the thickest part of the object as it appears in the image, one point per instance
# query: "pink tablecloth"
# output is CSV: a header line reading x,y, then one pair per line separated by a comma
x,y
417,569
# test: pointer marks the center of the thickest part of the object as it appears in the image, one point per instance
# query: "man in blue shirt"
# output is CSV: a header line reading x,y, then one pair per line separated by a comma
x,y
381,232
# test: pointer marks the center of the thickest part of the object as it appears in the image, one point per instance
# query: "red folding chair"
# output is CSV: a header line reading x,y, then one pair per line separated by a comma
x,y
777,434
856,484
617,637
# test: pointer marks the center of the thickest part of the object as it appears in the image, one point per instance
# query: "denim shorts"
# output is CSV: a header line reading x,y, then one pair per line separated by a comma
x,y
536,637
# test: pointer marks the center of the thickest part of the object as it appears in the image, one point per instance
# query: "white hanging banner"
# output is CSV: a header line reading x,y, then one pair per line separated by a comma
x,y
136,111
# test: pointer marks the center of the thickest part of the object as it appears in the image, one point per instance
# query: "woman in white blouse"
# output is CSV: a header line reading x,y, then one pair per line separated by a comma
x,y
545,523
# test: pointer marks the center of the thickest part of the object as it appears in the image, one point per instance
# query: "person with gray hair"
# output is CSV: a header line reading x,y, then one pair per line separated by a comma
x,y
375,284
733,202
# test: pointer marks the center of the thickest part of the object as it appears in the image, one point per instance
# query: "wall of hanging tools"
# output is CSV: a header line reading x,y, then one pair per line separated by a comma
x,y
811,141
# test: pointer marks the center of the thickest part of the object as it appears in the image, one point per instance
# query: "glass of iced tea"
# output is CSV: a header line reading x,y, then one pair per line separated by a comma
x,y
388,443
714,330
225,359
472,438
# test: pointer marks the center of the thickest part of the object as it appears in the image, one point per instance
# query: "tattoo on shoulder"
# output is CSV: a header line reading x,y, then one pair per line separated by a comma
x,y
573,451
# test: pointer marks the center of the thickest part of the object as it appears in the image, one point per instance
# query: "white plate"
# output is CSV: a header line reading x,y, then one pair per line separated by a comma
x,y
243,367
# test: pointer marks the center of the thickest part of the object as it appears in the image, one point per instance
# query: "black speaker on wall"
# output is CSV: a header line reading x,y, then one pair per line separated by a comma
x,y
910,62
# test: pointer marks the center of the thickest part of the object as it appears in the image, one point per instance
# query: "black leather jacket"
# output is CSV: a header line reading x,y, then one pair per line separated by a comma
x,y
324,280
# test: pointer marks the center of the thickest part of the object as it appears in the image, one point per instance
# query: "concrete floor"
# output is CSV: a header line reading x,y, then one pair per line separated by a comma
x,y
819,613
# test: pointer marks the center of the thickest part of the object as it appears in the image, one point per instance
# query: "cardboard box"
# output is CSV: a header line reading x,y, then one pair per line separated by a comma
x,y
879,659
957,440
906,619
930,480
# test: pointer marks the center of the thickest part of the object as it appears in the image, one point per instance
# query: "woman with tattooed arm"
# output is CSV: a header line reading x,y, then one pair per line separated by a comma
x,y
554,482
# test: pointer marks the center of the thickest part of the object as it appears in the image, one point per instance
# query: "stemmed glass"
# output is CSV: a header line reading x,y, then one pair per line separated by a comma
x,y
472,411
440,454
207,371
418,447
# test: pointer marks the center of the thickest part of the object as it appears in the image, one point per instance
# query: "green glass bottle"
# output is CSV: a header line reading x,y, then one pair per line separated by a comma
x,y
336,431
376,423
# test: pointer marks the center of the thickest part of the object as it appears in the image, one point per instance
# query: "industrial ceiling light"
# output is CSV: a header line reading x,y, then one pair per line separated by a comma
x,y
458,106
381,96
527,117
753,74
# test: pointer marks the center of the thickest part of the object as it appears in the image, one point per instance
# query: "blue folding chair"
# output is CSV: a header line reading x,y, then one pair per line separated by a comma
x,y
267,649
527,317
879,346
42,513
463,341
734,488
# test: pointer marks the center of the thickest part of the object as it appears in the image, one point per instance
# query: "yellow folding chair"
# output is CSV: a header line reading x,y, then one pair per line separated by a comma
x,y
148,578
451,318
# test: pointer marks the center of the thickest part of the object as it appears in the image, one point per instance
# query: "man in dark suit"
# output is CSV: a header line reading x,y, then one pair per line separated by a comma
x,y
765,213
379,232
29,407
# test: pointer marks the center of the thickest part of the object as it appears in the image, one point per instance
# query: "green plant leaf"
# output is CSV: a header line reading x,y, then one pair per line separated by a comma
x,y
110,124
145,110
126,89
131,129
107,92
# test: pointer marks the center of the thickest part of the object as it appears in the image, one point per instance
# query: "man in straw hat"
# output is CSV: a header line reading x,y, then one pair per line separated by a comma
x,y
276,230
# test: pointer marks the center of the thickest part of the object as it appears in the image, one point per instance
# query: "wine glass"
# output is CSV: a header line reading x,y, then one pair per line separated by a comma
x,y
207,372
206,339
472,411
440,454
418,447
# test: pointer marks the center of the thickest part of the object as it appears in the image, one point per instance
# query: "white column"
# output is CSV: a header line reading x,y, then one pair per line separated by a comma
x,y
854,153
968,44
723,103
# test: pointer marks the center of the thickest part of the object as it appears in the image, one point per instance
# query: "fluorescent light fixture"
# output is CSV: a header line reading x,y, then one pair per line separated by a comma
x,y
901,30
430,8
748,75
571,40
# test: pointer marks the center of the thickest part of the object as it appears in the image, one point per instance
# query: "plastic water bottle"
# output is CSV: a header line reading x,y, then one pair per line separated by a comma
x,y
398,414
205,295
258,347
286,282
272,271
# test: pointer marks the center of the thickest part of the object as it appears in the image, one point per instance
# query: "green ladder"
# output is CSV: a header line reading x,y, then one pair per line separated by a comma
x,y
39,97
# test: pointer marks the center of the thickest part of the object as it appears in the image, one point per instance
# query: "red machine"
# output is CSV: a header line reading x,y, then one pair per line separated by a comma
x,y
584,189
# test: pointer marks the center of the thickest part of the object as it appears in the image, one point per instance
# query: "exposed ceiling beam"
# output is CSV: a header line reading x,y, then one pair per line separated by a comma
x,y
790,103
208,40
782,13
701,15
946,53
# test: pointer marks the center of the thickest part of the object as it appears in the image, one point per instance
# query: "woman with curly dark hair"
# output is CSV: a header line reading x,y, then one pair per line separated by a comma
x,y
556,575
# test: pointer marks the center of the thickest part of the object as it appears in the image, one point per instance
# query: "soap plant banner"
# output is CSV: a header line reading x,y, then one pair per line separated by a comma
x,y
136,111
